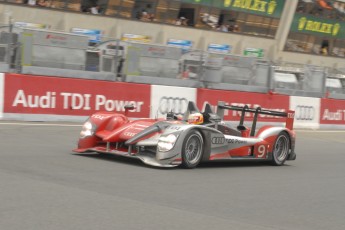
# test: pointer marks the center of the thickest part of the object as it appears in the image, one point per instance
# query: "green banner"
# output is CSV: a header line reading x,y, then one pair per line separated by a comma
x,y
318,26
253,52
270,8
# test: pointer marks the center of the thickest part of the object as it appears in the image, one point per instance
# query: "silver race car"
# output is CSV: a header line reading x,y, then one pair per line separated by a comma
x,y
196,137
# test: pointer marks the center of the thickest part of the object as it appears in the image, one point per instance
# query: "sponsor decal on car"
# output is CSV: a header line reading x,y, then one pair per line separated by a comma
x,y
218,140
236,141
129,134
175,127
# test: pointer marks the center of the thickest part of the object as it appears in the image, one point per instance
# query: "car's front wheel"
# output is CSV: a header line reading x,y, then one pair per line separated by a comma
x,y
192,149
281,149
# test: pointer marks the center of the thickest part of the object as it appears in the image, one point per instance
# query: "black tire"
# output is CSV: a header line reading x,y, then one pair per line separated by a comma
x,y
192,149
281,149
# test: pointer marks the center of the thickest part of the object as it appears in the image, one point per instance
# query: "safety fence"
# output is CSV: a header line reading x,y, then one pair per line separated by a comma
x,y
52,53
70,99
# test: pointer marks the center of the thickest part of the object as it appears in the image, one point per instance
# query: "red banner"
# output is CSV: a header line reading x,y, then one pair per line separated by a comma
x,y
274,102
332,112
67,96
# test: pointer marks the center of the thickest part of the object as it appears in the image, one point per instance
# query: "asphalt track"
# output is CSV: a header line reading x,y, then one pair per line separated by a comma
x,y
44,186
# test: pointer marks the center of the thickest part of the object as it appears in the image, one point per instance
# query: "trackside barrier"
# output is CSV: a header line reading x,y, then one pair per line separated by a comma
x,y
2,88
52,53
161,65
70,99
66,99
332,114
307,111
53,49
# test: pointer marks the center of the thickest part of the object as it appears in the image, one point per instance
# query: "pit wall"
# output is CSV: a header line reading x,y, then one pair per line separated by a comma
x,y
40,98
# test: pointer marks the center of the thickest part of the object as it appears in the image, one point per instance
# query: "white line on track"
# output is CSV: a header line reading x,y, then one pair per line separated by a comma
x,y
320,131
37,124
79,125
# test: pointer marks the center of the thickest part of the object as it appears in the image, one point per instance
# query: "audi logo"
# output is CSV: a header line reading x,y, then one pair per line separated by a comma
x,y
176,105
304,113
218,140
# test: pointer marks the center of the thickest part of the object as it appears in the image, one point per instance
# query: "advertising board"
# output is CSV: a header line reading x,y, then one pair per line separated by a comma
x,y
93,34
165,99
307,111
219,48
318,26
136,38
30,25
332,112
271,8
274,102
25,94
183,44
54,39
253,52
1,94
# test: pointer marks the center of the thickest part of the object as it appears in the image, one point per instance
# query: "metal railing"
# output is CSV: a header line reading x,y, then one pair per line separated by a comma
x,y
51,53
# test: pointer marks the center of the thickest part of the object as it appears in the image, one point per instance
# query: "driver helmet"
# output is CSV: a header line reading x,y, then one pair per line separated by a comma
x,y
196,118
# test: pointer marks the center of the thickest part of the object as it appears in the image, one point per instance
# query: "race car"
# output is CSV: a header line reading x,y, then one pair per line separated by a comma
x,y
189,140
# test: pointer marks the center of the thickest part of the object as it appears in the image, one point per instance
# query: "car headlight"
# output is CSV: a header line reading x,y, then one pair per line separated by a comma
x,y
166,143
87,130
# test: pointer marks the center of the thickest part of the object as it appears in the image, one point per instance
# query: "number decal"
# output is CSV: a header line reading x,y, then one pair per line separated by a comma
x,y
261,150
291,115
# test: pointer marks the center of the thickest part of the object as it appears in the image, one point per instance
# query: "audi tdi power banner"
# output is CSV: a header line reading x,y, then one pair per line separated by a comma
x,y
253,100
307,111
166,99
332,113
25,94
1,94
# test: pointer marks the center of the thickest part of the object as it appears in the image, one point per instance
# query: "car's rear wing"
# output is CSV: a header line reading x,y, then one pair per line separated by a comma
x,y
222,106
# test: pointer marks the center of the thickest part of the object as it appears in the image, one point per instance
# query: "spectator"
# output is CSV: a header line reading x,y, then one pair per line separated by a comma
x,y
89,6
236,28
151,17
30,2
182,21
179,21
144,14
224,28
324,47
189,73
43,3
324,51
185,22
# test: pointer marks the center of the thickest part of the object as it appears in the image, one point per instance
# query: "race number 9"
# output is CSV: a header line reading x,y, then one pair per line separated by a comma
x,y
261,150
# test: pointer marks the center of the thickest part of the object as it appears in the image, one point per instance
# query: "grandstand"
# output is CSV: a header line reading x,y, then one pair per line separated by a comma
x,y
271,25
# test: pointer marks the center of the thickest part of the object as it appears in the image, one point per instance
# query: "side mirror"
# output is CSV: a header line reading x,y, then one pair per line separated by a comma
x,y
170,116
215,118
128,108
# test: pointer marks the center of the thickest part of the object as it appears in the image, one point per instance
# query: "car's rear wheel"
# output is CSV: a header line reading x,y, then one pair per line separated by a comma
x,y
192,149
281,149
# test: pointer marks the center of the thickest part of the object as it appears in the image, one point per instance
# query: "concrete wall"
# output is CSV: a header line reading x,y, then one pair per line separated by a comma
x,y
114,27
